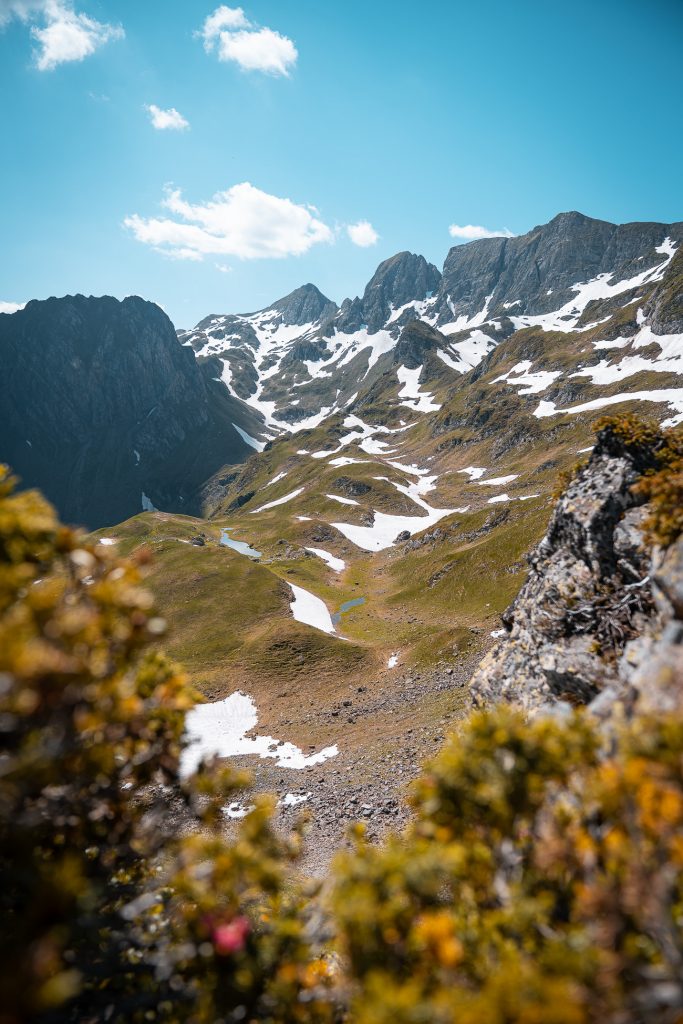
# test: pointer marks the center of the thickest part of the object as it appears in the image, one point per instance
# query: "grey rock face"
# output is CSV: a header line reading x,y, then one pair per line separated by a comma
x,y
305,305
534,273
665,308
100,403
599,620
402,278
585,596
416,339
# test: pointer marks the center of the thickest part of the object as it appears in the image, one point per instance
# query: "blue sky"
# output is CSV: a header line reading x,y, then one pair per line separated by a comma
x,y
412,119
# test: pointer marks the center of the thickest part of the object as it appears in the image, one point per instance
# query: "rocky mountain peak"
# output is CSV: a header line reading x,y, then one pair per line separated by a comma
x,y
539,271
101,405
405,277
305,305
416,339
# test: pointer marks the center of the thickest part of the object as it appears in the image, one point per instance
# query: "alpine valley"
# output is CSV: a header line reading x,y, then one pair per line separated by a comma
x,y
340,500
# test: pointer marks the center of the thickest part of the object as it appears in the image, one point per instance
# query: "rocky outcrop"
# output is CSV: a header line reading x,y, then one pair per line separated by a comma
x,y
416,340
600,617
100,405
665,308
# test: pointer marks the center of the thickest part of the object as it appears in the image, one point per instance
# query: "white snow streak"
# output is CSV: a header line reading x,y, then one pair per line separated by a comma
x,y
278,501
248,439
672,396
338,564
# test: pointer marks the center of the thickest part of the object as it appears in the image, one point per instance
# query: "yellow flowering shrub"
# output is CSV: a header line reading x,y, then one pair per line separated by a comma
x,y
541,881
120,900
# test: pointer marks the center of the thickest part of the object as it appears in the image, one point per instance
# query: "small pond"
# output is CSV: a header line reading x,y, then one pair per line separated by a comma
x,y
336,617
238,545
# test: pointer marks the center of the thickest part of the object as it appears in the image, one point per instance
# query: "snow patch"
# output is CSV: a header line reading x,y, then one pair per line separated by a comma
x,y
342,501
531,383
672,396
293,799
220,730
410,393
386,528
310,610
669,361
280,476
498,481
338,564
248,439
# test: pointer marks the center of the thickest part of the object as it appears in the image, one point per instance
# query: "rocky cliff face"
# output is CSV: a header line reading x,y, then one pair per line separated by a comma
x,y
599,620
101,405
535,273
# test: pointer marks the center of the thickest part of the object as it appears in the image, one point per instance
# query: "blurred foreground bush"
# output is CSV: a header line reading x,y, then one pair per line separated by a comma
x,y
540,883
106,913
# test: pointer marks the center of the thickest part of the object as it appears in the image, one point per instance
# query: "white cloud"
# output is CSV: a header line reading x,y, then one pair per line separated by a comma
x,y
362,234
223,18
23,9
166,119
61,33
11,307
469,232
242,221
224,269
235,38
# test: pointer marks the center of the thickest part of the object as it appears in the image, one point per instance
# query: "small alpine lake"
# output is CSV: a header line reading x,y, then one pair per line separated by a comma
x,y
238,545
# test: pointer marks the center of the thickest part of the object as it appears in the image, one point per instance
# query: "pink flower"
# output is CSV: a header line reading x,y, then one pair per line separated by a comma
x,y
230,938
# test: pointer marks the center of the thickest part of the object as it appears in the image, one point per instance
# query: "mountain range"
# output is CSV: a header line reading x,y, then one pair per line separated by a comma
x,y
341,500
101,406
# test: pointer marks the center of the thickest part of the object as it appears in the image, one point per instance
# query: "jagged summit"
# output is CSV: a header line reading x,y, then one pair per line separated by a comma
x,y
561,276
403,278
305,305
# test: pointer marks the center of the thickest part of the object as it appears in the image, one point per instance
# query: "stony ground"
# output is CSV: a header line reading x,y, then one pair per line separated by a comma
x,y
401,720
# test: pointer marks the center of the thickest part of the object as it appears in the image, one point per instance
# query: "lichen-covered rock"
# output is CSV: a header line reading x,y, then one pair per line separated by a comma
x,y
585,624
